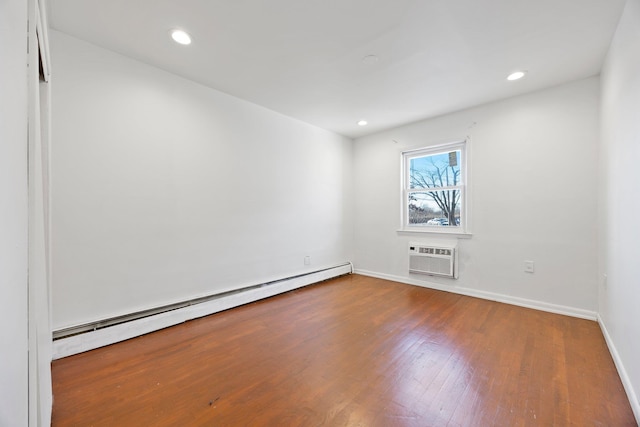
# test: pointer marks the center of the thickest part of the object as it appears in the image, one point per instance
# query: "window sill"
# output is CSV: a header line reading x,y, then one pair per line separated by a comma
x,y
435,232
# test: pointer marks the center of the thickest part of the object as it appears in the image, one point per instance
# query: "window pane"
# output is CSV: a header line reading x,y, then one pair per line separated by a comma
x,y
435,208
436,170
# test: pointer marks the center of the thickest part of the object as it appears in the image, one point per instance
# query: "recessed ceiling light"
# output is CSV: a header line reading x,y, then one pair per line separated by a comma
x,y
370,59
181,37
362,123
517,75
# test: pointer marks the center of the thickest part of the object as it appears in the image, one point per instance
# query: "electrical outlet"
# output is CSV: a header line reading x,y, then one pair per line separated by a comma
x,y
528,266
307,260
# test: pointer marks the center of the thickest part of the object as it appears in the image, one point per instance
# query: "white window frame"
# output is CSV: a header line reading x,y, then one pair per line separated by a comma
x,y
463,230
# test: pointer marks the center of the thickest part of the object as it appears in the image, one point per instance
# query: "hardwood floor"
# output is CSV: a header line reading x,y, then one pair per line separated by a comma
x,y
353,351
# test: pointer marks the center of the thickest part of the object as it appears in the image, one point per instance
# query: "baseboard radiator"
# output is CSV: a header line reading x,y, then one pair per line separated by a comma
x,y
81,338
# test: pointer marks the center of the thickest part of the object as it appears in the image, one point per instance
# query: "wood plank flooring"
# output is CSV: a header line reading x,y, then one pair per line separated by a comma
x,y
352,351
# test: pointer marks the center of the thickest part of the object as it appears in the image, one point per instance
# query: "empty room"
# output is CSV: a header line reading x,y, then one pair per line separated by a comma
x,y
304,213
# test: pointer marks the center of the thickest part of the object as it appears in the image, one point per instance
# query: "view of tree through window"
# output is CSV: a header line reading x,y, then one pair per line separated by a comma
x,y
434,187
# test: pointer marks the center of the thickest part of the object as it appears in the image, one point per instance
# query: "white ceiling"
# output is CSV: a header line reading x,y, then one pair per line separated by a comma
x,y
303,58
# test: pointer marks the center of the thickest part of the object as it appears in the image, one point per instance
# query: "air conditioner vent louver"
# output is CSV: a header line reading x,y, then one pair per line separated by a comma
x,y
433,260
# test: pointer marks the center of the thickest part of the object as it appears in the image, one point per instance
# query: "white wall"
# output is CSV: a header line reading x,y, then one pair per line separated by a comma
x,y
620,206
13,213
165,190
533,161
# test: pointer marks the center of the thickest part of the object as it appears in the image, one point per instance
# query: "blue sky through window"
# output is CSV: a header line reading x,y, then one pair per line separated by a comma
x,y
437,170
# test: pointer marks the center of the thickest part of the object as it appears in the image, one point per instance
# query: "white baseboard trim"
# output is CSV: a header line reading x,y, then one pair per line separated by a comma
x,y
75,344
624,377
522,302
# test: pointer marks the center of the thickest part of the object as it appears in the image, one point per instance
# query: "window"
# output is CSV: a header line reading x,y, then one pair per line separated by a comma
x,y
434,188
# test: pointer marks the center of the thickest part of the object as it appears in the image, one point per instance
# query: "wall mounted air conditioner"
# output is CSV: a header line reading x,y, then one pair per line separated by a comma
x,y
438,260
